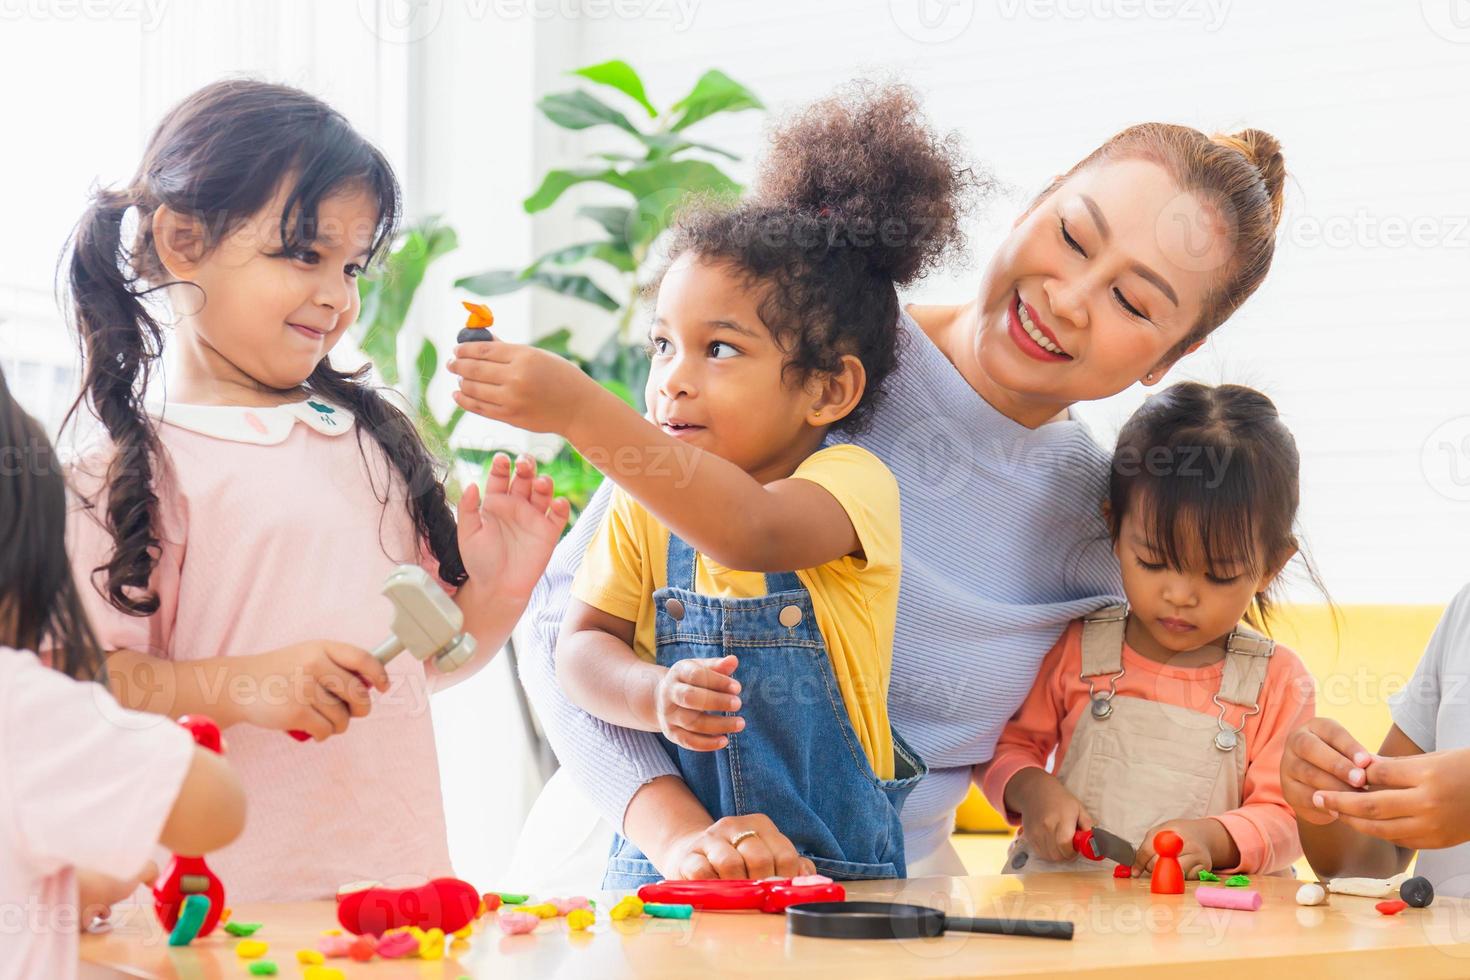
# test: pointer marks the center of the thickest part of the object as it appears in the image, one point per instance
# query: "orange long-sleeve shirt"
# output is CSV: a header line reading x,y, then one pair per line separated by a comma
x,y
1263,826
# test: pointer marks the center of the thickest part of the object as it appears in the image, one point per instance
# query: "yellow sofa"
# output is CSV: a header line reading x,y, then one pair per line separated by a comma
x,y
1359,656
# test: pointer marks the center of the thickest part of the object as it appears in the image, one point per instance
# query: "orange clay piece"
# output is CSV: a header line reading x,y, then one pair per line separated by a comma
x,y
480,316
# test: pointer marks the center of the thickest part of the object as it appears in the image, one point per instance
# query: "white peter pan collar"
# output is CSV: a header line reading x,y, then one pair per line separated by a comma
x,y
258,426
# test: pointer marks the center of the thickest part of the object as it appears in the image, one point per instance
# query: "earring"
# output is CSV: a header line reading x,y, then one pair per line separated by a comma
x,y
1148,377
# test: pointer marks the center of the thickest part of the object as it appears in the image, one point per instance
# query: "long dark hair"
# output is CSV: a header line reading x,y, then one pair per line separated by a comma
x,y
220,156
39,607
856,197
1214,468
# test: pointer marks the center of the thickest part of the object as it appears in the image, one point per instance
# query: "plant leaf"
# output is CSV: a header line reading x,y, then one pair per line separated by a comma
x,y
714,92
426,366
495,282
556,182
664,145
581,110
499,281
612,218
387,292
621,76
557,342
663,187
615,255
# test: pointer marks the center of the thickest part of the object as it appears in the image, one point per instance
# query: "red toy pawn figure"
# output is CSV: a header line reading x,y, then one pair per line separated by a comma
x,y
1168,876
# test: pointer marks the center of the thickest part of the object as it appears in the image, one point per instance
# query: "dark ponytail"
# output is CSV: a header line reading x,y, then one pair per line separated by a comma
x,y
220,157
121,343
856,197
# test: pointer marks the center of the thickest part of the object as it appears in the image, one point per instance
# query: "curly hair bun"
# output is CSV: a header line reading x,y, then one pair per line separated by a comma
x,y
866,160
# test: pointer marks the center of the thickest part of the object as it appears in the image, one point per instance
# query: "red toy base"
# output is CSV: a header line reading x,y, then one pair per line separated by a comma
x,y
444,903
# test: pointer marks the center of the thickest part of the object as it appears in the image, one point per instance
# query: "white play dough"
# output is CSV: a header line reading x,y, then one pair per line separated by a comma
x,y
1311,895
1368,887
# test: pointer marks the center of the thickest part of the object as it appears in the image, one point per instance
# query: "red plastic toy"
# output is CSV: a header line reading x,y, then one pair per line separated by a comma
x,y
444,903
736,895
1168,878
185,876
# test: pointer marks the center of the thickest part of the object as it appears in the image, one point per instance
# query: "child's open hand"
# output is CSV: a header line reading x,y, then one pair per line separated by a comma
x,y
1321,755
688,697
520,385
1197,854
507,534
1414,801
315,687
1050,814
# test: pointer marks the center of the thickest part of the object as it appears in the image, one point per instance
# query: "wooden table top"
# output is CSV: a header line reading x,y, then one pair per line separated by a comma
x,y
1121,931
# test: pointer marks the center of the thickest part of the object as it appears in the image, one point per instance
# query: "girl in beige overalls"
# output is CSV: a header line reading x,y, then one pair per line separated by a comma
x,y
1166,712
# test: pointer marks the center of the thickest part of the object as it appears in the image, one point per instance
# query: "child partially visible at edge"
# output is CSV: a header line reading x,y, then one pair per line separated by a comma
x,y
1169,712
740,597
88,790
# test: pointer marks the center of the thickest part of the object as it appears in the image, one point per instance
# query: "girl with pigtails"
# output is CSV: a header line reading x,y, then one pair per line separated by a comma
x,y
231,537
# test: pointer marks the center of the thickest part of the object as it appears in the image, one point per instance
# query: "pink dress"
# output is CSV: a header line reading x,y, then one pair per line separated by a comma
x,y
274,531
83,783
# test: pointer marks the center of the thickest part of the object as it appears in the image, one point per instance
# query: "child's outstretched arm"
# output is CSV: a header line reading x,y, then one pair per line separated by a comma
x,y
714,505
600,673
507,533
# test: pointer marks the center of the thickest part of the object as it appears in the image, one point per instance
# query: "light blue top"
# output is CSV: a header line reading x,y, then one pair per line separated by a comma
x,y
1003,545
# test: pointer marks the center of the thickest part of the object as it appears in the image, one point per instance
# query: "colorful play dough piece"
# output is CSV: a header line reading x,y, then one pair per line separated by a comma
x,y
800,880
362,948
1311,894
542,910
1393,907
323,973
431,945
1208,875
249,949
662,911
1418,892
565,905
1237,881
628,907
1122,871
334,947
1367,887
310,957
579,919
517,923
191,919
511,898
1213,897
264,968
396,945
242,929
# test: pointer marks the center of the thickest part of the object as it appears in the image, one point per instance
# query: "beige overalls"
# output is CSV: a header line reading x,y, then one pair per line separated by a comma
x,y
1135,763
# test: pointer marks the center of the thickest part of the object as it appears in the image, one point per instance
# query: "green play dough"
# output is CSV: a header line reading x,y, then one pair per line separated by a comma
x,y
242,929
263,968
1237,881
1208,876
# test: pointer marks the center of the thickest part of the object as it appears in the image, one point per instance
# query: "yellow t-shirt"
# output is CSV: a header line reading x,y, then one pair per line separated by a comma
x,y
855,599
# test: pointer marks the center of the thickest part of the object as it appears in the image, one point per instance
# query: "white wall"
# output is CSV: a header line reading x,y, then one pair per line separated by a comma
x,y
1358,334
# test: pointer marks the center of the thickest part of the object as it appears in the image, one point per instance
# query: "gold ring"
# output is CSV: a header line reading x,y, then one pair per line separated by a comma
x,y
743,835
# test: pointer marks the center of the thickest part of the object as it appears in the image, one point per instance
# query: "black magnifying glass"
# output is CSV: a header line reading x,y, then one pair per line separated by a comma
x,y
891,920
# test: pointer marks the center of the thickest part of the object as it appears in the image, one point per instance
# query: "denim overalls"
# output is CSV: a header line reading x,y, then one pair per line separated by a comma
x,y
797,760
